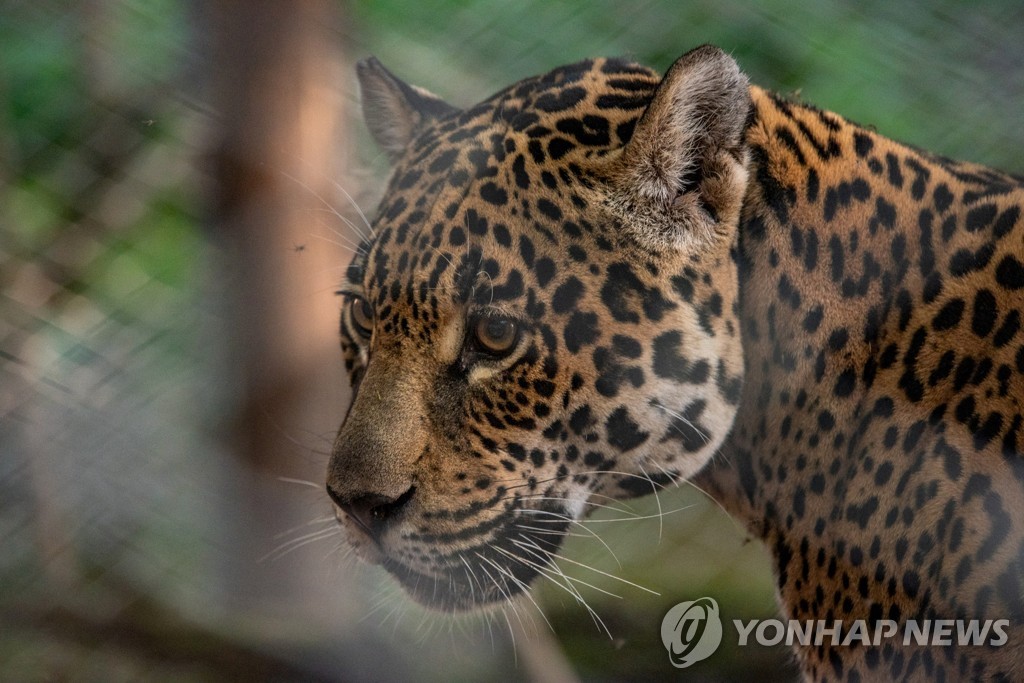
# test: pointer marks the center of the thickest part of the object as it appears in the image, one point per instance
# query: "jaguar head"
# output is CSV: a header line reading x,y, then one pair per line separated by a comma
x,y
545,312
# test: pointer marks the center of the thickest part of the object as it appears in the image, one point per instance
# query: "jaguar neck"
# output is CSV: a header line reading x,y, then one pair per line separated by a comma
x,y
831,260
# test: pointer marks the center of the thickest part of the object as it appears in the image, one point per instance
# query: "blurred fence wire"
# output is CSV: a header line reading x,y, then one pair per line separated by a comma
x,y
97,245
125,504
174,212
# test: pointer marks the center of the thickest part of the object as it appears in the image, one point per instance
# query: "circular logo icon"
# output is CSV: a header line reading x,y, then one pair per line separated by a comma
x,y
691,631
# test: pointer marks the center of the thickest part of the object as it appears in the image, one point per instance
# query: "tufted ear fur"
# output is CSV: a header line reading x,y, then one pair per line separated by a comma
x,y
682,176
393,109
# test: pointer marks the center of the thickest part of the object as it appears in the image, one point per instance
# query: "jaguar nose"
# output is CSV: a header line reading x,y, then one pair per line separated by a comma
x,y
372,512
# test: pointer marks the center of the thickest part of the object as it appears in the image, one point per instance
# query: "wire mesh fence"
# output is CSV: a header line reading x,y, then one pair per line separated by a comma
x,y
169,384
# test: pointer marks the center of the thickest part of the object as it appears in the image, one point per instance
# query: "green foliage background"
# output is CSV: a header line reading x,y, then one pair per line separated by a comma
x,y
99,192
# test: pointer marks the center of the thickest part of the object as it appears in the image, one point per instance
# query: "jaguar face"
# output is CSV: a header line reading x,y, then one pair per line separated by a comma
x,y
545,312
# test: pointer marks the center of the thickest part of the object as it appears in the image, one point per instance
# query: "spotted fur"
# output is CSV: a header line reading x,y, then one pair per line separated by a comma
x,y
691,266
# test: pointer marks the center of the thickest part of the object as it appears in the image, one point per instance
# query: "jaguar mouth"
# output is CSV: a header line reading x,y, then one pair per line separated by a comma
x,y
516,553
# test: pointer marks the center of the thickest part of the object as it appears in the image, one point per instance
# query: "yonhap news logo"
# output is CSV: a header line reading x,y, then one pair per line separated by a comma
x,y
691,631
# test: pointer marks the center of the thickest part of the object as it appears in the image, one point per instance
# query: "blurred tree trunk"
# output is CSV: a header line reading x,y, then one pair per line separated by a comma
x,y
277,99
276,96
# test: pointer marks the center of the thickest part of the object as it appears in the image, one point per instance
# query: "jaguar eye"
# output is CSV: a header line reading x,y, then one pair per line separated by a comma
x,y
362,316
494,335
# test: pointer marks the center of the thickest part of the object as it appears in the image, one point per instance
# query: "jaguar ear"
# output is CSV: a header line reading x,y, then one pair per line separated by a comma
x,y
682,175
393,109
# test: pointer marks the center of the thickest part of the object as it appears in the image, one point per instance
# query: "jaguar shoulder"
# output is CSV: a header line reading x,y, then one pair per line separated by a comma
x,y
596,280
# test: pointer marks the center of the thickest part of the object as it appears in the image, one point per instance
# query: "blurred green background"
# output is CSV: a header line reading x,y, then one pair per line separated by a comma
x,y
160,511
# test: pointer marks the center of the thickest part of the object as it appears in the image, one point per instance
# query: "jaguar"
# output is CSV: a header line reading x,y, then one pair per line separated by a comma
x,y
599,282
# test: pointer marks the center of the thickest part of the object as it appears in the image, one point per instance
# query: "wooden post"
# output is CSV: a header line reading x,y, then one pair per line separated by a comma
x,y
274,165
277,98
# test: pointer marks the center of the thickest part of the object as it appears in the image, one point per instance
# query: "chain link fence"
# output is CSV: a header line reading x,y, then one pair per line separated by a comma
x,y
141,537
